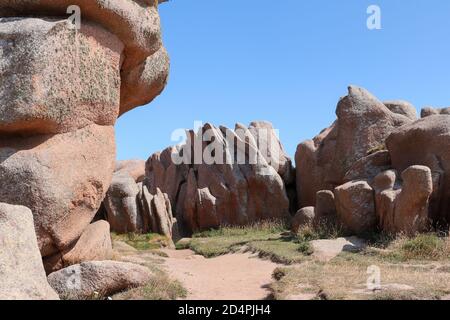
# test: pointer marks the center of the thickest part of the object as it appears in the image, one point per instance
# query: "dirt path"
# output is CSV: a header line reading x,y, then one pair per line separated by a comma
x,y
239,276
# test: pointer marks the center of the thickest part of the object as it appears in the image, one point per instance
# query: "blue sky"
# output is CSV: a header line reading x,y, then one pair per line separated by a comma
x,y
288,62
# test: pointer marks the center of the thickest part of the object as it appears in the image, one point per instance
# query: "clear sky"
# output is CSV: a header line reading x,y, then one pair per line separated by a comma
x,y
288,62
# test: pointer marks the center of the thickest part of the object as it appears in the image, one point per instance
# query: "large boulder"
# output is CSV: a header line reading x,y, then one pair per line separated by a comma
x,y
131,207
135,22
62,178
304,217
430,111
93,245
363,123
135,168
22,274
267,141
355,207
220,177
37,95
404,209
367,168
156,211
402,107
63,88
97,279
121,204
325,207
426,142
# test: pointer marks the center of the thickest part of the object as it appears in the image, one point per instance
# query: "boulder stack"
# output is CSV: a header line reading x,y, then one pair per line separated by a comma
x,y
217,177
363,123
63,87
359,158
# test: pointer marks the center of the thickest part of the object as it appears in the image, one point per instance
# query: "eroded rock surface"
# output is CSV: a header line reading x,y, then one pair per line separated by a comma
x,y
363,123
97,279
426,142
61,178
404,209
63,88
22,275
223,189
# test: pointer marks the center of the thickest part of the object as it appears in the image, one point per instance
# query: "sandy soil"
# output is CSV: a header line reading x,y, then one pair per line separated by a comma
x,y
239,276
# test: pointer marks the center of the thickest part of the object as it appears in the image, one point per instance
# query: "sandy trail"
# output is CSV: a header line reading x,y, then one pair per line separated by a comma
x,y
238,276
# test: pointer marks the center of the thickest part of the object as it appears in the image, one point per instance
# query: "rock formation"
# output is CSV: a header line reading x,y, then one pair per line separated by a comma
x,y
62,89
357,159
363,123
224,177
131,208
135,168
426,142
93,245
405,208
355,206
218,177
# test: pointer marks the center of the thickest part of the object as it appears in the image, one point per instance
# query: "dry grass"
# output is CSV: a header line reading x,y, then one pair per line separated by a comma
x,y
150,241
280,251
345,278
225,240
269,239
160,287
421,262
421,247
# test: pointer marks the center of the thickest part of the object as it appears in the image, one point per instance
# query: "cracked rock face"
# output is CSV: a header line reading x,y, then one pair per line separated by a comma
x,y
22,275
61,91
55,80
363,124
206,195
136,24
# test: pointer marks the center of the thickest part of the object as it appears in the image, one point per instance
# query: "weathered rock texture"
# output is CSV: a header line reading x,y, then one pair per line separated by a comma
x,y
22,275
136,24
206,183
93,245
135,168
61,92
430,111
56,80
426,142
355,206
97,279
363,123
359,156
131,208
233,184
404,208
61,178
303,217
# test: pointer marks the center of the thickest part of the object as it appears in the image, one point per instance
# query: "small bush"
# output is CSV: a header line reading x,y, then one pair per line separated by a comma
x,y
305,248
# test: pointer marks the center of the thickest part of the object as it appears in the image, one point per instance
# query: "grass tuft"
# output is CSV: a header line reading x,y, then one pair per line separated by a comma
x,y
269,239
149,241
430,246
160,287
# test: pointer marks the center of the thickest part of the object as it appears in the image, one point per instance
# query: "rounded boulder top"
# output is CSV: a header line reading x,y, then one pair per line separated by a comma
x,y
135,22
